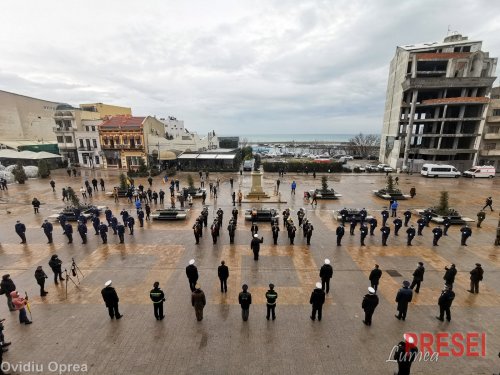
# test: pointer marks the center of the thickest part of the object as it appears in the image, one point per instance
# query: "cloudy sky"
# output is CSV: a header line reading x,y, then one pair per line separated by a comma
x,y
239,67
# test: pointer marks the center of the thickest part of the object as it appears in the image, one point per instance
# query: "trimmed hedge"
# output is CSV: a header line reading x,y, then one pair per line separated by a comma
x,y
304,166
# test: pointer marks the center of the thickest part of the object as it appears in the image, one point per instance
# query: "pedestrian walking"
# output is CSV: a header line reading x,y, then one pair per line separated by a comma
x,y
403,298
223,273
20,229
317,300
476,275
445,301
111,300
369,304
192,275
294,186
245,300
158,298
271,297
53,186
375,276
418,277
40,277
198,301
7,286
56,265
489,203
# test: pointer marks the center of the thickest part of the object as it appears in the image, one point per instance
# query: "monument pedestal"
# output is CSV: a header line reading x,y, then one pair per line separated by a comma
x,y
256,192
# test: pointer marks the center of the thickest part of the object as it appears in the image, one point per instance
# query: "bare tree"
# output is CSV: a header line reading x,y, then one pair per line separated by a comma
x,y
364,145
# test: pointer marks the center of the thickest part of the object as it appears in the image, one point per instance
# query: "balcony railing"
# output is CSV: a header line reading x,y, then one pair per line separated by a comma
x,y
493,152
121,147
87,148
62,128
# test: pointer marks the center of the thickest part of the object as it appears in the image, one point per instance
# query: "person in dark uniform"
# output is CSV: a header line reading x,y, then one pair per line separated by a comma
x,y
445,300
68,232
370,302
340,231
198,301
421,226
449,275
147,208
489,203
47,229
114,224
438,233
103,231
220,215
111,300
108,214
275,229
40,277
158,298
317,300
62,221
102,184
344,214
446,225
232,230
245,300
364,232
466,233
407,215
234,213
481,215
192,275
385,216
291,233
271,297
373,225
308,232
53,186
418,277
223,273
385,234
95,223
20,229
353,225
375,276
300,216
196,231
255,246
254,229
140,216
120,229
36,205
204,213
82,230
131,223
363,213
214,229
405,354
326,273
398,223
124,214
410,235
55,264
476,275
403,298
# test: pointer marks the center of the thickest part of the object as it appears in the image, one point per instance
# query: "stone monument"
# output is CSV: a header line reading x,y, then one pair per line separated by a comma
x,y
256,192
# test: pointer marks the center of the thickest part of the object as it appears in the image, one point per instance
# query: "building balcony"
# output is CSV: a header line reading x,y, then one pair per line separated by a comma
x,y
445,151
493,119
66,146
59,129
443,82
122,147
490,152
436,135
458,100
491,135
427,120
87,148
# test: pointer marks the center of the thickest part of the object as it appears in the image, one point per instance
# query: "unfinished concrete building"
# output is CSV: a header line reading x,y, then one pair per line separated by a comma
x,y
437,96
489,152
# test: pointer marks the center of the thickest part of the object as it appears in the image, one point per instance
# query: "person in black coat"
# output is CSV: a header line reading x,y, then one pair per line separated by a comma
x,y
444,302
275,229
55,264
111,300
375,276
407,215
131,223
340,231
438,233
421,226
385,216
192,275
466,233
363,233
476,275
40,277
255,246
398,223
385,234
223,273
449,275
446,225
103,231
418,277
370,302
326,273
403,298
373,225
68,232
47,229
352,226
82,230
120,229
7,286
410,235
405,354
20,229
158,298
95,223
317,300
231,229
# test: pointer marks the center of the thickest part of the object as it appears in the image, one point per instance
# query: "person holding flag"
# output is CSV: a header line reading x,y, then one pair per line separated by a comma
x,y
21,304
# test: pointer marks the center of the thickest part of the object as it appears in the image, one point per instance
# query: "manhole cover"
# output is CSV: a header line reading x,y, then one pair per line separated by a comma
x,y
393,273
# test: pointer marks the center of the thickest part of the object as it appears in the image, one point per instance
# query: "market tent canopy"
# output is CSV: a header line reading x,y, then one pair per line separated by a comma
x,y
167,155
27,155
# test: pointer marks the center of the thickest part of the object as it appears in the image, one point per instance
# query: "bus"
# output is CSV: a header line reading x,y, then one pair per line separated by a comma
x,y
439,170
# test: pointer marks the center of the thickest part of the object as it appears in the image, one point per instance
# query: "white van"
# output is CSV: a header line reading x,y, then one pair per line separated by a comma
x,y
439,170
480,171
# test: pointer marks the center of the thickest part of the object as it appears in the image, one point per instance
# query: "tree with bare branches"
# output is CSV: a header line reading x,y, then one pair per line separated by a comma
x,y
364,145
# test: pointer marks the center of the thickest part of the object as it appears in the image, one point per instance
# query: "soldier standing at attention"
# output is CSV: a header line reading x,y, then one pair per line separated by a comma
x,y
308,232
232,230
158,297
444,302
317,300
405,354
446,225
375,276
68,232
373,225
95,223
421,226
449,275
111,300
20,229
120,228
466,233
353,225
103,231
271,297
385,234
407,215
364,233
411,235
275,229
438,233
403,298
47,229
326,273
223,273
255,246
82,230
418,277
385,216
192,275
340,233
197,231
198,301
245,300
370,302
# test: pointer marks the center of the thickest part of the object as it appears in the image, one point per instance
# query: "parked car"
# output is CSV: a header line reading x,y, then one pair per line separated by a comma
x,y
371,168
439,170
352,167
384,168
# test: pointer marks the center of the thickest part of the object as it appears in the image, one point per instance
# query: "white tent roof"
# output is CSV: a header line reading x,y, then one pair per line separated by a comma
x,y
27,155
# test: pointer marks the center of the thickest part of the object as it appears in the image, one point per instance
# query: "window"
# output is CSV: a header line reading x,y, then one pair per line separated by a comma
x,y
94,143
68,139
84,157
60,139
81,142
97,159
496,112
490,146
93,128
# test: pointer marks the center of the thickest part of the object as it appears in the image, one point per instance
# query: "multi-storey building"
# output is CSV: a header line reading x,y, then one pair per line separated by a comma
x,y
489,154
77,133
124,140
437,95
173,128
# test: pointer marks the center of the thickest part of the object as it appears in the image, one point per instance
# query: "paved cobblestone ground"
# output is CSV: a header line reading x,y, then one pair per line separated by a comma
x,y
77,330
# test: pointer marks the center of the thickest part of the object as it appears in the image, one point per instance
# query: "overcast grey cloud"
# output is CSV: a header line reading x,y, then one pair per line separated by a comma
x,y
237,67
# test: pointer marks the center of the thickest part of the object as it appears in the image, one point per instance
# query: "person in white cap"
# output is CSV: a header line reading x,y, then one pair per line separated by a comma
x,y
370,302
326,273
255,246
405,354
111,300
192,274
317,300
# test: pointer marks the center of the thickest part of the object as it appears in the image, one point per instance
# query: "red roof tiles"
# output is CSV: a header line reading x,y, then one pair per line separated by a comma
x,y
123,121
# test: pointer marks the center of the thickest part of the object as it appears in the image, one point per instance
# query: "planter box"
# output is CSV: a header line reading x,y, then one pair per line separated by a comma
x,y
70,214
170,214
389,196
330,194
455,219
122,193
